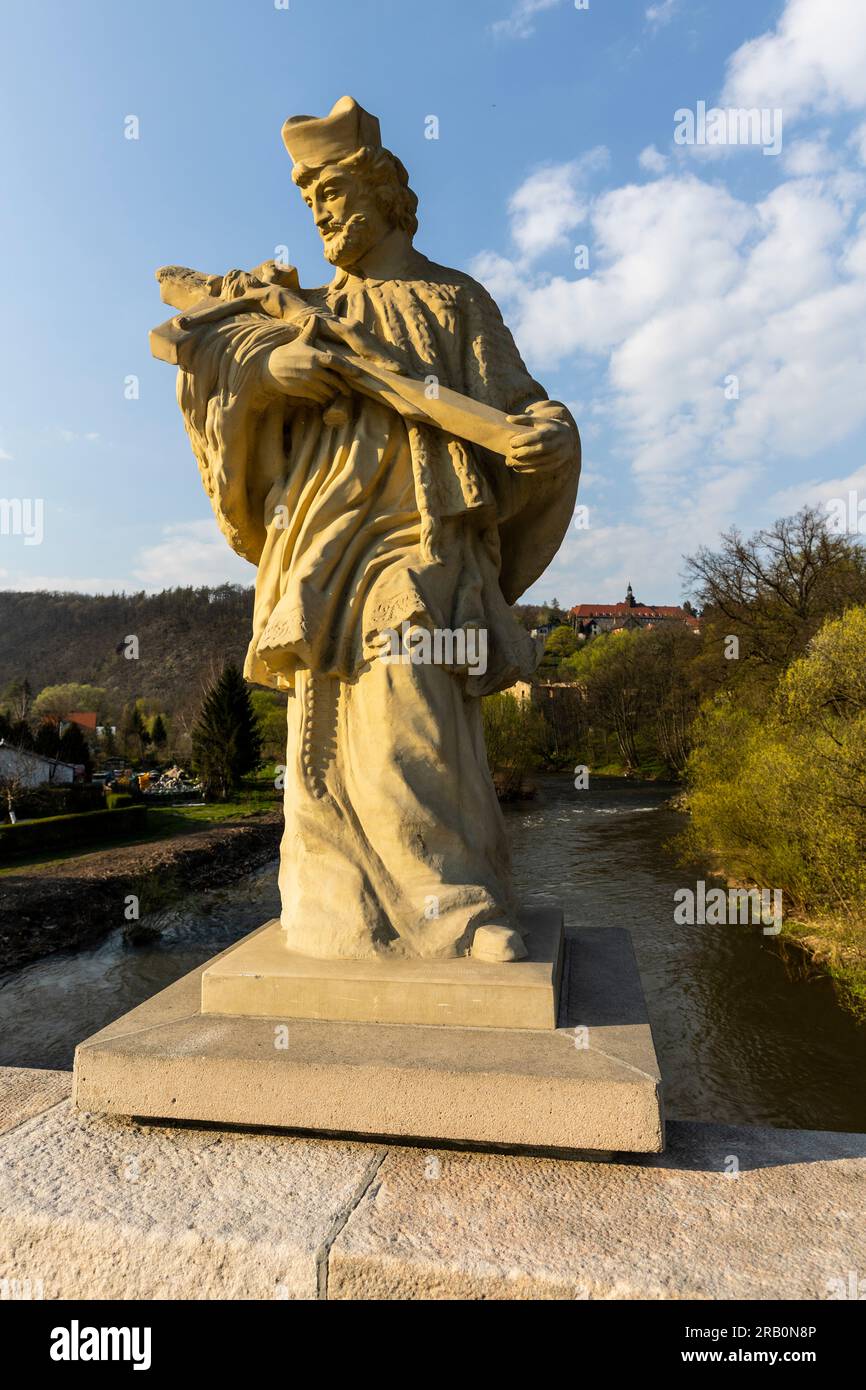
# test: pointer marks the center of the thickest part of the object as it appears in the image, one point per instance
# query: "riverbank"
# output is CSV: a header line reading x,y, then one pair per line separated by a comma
x,y
813,946
835,948
66,903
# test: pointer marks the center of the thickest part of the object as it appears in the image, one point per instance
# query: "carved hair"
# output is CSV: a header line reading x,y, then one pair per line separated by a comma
x,y
386,176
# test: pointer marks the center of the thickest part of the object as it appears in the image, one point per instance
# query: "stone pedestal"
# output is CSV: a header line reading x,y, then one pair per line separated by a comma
x,y
590,1083
259,978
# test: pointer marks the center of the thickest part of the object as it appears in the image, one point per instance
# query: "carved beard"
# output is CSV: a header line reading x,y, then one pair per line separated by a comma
x,y
348,241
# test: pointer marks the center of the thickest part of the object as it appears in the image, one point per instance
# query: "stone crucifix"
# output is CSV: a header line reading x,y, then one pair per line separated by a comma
x,y
377,448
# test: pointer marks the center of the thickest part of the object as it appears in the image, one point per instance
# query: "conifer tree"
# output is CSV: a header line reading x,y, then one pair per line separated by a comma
x,y
74,748
158,733
226,742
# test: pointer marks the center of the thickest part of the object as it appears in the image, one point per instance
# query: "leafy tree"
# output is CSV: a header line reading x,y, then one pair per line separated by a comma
x,y
829,682
134,732
609,672
670,679
566,728
59,701
14,731
641,685
21,735
108,745
514,735
270,711
130,725
779,797
825,692
226,742
17,699
561,643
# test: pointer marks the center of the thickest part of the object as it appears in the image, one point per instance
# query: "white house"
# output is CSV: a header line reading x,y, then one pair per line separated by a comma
x,y
32,769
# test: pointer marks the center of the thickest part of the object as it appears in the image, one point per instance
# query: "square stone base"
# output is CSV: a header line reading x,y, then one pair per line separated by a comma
x,y
591,1083
260,978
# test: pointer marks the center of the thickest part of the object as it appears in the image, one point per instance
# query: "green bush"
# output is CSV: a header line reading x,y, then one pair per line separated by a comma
x,y
514,735
780,797
115,799
37,802
60,832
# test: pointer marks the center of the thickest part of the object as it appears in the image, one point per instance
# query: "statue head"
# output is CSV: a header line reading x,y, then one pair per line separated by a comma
x,y
357,190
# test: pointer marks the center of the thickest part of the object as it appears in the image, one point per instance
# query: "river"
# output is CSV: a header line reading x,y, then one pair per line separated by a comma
x,y
741,1036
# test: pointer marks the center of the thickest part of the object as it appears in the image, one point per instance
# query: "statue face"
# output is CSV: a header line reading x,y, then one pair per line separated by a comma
x,y
347,215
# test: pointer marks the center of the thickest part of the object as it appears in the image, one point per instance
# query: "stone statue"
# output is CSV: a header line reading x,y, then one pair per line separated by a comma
x,y
377,448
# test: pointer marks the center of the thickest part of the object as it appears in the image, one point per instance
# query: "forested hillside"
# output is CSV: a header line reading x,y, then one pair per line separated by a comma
x,y
184,637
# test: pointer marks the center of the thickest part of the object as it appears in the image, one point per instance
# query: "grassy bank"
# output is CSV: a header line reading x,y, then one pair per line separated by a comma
x,y
837,948
826,943
60,906
255,798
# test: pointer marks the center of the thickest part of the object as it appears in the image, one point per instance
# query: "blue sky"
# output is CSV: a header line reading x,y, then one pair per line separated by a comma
x,y
556,130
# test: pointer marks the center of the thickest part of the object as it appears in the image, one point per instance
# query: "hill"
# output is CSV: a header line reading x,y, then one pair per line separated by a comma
x,y
184,636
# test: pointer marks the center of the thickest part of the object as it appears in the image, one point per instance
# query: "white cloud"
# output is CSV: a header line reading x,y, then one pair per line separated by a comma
x,y
653,160
191,552
501,276
596,563
520,24
814,59
858,141
821,490
61,584
548,204
672,241
807,157
689,287
661,13
4,457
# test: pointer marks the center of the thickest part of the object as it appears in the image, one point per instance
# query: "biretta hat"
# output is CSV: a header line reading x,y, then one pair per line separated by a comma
x,y
321,140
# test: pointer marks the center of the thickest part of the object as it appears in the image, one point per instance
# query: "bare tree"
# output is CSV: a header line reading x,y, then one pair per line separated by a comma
x,y
12,789
775,589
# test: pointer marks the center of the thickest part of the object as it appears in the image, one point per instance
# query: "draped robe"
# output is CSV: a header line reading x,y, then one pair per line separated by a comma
x,y
360,520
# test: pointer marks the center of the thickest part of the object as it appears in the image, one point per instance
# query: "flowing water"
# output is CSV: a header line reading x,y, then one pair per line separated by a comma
x,y
740,1036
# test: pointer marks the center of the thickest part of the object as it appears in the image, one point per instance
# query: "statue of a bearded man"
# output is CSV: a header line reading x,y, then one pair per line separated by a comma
x,y
377,448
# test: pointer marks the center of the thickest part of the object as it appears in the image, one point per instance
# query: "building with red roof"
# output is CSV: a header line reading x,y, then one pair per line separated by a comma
x,y
85,719
591,618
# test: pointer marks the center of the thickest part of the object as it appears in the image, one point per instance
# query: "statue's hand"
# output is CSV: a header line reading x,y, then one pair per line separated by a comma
x,y
546,448
237,283
296,369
